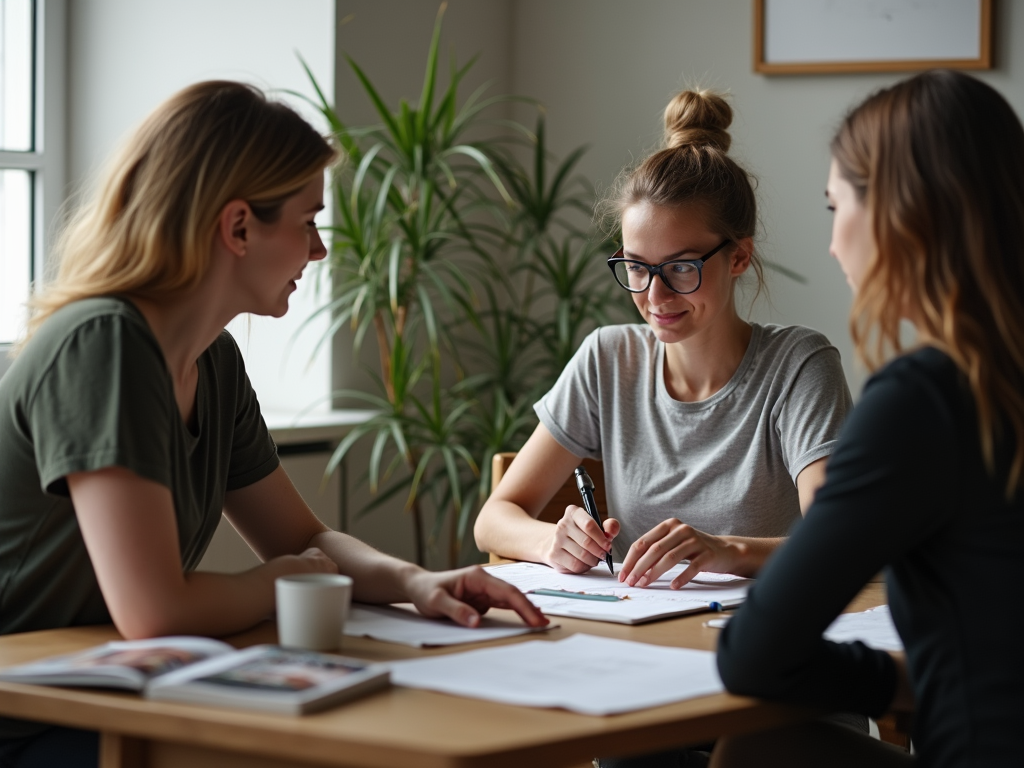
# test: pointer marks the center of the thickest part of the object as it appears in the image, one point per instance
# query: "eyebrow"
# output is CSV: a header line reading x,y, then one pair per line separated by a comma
x,y
672,257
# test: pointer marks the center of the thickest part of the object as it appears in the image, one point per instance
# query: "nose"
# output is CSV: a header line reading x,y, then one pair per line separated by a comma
x,y
658,293
317,249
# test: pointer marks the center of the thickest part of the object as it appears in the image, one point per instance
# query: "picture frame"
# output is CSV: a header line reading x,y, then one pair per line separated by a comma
x,y
793,37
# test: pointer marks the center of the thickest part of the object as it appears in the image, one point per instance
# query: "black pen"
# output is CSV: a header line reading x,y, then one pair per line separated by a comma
x,y
586,486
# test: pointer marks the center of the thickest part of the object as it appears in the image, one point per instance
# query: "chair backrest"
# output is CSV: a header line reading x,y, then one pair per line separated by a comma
x,y
566,495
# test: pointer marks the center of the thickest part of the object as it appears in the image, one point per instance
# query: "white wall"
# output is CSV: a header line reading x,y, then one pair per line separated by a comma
x,y
127,56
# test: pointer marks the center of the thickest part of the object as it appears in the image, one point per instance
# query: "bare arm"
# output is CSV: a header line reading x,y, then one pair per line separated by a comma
x,y
131,534
507,524
673,541
273,518
130,531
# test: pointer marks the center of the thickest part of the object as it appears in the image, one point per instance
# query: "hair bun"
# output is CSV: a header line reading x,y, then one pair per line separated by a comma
x,y
698,118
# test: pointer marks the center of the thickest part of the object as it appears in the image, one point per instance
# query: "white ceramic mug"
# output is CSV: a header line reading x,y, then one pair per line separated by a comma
x,y
311,610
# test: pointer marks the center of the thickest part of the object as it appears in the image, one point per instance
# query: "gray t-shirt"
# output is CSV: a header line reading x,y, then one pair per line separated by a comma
x,y
725,465
91,390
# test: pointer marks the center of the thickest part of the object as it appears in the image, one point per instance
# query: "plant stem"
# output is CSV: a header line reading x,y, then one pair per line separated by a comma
x,y
384,348
453,539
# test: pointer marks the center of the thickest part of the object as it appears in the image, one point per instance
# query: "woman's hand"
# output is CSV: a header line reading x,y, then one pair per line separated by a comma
x,y
578,543
672,541
313,560
464,595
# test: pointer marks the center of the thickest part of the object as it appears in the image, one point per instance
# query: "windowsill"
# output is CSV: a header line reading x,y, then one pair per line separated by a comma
x,y
313,426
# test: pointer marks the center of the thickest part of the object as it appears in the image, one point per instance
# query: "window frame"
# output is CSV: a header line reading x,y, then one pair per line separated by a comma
x,y
47,161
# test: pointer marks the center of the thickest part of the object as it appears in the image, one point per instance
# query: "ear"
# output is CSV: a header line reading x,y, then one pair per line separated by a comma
x,y
233,226
739,261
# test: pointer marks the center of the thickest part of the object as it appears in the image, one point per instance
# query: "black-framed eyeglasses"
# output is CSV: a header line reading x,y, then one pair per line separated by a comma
x,y
680,275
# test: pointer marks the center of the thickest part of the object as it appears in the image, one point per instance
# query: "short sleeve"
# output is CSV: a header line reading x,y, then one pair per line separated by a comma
x,y
253,452
103,401
571,409
813,410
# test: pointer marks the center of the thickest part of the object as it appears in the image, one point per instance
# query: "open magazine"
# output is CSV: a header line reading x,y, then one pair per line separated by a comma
x,y
203,671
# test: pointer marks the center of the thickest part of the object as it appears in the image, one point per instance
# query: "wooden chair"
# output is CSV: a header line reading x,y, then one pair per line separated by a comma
x,y
566,495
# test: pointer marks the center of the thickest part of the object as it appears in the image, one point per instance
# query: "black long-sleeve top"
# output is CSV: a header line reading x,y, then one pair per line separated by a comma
x,y
907,490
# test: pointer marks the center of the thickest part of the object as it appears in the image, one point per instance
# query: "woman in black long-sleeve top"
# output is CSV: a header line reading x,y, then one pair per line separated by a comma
x,y
927,189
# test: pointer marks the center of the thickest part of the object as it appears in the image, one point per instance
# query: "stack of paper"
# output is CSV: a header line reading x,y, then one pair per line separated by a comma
x,y
708,591
583,673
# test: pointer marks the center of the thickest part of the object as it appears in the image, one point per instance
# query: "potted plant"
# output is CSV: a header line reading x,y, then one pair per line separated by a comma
x,y
477,284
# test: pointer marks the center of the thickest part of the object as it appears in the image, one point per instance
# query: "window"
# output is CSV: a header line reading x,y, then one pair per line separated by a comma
x,y
31,149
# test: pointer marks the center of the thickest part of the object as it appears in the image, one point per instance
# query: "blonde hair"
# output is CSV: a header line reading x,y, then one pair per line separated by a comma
x,y
694,169
938,160
148,230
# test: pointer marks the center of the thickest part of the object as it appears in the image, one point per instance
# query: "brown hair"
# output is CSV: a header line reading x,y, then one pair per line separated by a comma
x,y
148,229
938,160
693,169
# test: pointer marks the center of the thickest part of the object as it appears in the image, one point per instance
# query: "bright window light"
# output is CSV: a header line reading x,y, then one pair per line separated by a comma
x,y
16,75
15,250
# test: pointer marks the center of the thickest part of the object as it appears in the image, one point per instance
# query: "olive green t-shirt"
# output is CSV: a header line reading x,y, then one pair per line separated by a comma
x,y
92,390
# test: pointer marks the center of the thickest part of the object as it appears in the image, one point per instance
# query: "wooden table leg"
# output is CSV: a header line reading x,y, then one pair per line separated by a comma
x,y
117,751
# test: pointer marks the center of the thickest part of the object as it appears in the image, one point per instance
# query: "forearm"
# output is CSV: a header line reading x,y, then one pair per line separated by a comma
x,y
377,578
751,553
506,530
202,603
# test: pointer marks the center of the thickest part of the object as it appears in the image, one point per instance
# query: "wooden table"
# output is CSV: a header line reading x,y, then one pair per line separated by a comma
x,y
397,727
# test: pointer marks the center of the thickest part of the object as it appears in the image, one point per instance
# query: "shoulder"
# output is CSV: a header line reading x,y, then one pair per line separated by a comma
x,y
92,331
788,353
636,338
925,378
795,343
225,352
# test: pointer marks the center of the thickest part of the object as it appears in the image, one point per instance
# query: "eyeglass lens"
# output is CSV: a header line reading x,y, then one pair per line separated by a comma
x,y
682,276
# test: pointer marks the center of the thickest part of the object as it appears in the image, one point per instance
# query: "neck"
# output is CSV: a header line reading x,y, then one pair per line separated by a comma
x,y
185,325
698,367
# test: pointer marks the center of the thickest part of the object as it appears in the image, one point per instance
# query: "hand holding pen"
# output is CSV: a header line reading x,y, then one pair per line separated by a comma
x,y
580,541
586,486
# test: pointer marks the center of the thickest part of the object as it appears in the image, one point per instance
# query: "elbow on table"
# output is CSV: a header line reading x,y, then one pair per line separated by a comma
x,y
145,624
747,672
481,528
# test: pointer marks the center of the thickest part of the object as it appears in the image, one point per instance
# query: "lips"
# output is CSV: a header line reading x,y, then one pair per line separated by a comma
x,y
666,319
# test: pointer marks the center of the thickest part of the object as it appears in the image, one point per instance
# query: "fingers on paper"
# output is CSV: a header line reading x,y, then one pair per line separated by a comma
x,y
485,591
654,553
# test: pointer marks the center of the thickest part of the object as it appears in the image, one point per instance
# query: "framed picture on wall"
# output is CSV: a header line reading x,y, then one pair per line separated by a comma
x,y
812,36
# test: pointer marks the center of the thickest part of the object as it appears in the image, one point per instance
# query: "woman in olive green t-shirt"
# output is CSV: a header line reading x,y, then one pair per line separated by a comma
x,y
127,422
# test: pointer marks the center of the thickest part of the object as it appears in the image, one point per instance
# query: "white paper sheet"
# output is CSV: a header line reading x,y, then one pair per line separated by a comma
x,y
653,602
397,625
874,628
583,673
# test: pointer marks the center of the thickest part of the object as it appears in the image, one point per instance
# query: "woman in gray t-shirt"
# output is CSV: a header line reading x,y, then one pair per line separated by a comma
x,y
713,432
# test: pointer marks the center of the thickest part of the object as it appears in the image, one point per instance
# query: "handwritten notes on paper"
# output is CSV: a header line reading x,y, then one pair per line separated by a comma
x,y
654,602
